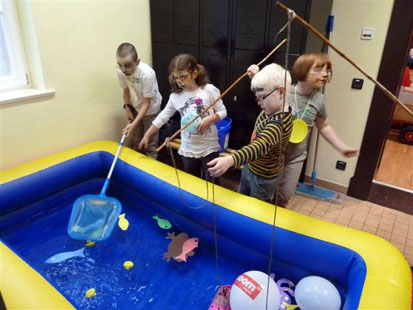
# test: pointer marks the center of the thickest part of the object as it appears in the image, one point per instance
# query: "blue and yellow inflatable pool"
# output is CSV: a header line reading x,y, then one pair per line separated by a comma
x,y
36,200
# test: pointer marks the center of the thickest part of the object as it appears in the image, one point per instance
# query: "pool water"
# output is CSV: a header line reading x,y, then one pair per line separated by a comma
x,y
152,283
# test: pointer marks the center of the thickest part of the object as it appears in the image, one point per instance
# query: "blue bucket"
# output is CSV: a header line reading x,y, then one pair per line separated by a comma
x,y
223,127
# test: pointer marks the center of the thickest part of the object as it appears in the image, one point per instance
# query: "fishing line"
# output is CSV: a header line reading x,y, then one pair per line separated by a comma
x,y
218,275
290,15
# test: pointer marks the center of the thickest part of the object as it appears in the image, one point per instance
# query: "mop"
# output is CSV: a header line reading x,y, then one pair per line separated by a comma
x,y
313,191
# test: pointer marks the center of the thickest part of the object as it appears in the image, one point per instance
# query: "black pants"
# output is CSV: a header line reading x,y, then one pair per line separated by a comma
x,y
198,166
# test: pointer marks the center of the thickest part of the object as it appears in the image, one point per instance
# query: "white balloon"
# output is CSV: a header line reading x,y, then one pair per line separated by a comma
x,y
249,292
317,293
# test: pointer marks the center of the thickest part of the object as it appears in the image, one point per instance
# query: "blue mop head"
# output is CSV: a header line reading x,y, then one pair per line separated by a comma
x,y
314,191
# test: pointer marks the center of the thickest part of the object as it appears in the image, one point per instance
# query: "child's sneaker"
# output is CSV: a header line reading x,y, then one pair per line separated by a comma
x,y
221,299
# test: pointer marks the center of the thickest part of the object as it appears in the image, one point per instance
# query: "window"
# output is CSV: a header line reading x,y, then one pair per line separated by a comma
x,y
13,73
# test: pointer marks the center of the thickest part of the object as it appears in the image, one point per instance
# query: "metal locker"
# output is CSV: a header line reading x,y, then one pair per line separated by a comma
x,y
186,22
162,20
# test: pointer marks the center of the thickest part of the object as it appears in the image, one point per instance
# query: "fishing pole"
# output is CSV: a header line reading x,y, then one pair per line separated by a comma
x,y
325,40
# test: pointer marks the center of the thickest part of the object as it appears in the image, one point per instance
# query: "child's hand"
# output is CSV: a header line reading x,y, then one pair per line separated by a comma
x,y
350,152
144,143
205,123
127,129
220,165
252,70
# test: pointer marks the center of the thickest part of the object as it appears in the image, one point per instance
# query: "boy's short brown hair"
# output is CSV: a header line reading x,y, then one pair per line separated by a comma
x,y
305,62
126,49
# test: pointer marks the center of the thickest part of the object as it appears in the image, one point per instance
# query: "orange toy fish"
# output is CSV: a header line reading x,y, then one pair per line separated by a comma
x,y
187,248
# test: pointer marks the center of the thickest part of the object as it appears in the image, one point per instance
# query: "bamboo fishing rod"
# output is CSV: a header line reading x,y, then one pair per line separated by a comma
x,y
324,39
220,97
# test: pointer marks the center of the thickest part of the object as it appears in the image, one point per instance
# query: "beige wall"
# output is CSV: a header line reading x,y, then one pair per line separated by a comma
x,y
348,108
77,42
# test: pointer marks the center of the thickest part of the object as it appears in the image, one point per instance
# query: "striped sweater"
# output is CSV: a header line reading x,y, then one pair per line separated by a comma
x,y
265,153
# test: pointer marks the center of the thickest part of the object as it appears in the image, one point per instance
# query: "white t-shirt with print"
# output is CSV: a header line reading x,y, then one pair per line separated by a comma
x,y
189,104
142,84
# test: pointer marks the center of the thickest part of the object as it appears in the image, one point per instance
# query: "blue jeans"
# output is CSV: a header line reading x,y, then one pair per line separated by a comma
x,y
256,186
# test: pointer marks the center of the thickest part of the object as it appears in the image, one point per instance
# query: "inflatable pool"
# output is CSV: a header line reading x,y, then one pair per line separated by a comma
x,y
37,198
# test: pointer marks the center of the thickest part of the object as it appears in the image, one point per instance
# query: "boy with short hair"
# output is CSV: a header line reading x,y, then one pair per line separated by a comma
x,y
263,158
141,96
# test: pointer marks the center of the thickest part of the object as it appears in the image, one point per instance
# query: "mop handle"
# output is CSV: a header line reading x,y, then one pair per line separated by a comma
x,y
105,186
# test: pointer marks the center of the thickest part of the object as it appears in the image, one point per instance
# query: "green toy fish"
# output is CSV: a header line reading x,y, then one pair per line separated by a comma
x,y
164,224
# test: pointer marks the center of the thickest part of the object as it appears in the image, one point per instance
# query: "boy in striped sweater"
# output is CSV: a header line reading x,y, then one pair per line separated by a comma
x,y
263,158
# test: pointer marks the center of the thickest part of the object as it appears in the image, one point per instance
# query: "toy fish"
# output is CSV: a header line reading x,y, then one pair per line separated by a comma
x,y
187,247
90,293
163,223
175,246
128,265
123,223
284,305
60,257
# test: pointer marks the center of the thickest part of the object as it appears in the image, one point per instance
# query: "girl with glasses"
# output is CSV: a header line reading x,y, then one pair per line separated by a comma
x,y
191,94
308,104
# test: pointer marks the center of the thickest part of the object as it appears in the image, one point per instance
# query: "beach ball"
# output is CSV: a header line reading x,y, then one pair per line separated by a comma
x,y
189,116
317,293
249,292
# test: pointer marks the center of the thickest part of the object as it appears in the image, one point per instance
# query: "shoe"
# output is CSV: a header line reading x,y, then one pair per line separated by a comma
x,y
221,299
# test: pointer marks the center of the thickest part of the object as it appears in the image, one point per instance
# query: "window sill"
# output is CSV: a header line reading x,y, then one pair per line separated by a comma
x,y
25,94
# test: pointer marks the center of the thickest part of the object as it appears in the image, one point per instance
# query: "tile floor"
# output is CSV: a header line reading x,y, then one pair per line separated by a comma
x,y
392,225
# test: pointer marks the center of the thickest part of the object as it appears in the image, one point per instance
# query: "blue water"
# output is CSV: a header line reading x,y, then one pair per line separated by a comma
x,y
152,283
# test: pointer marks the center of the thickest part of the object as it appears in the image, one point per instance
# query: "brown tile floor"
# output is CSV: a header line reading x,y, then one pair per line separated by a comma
x,y
392,225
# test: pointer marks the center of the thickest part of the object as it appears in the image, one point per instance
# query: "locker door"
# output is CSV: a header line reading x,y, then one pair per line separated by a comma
x,y
215,23
278,20
162,54
215,61
242,107
162,20
250,24
186,22
187,49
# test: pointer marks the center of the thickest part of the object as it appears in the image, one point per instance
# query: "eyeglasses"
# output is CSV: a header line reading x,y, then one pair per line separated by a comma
x,y
182,76
263,98
321,70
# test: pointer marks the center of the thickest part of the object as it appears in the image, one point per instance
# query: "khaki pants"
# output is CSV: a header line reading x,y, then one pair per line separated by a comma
x,y
136,136
288,182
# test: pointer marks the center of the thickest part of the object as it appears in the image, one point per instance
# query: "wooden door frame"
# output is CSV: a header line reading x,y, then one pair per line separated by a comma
x,y
393,62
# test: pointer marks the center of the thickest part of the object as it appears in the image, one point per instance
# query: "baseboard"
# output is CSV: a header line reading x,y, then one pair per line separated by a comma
x,y
328,185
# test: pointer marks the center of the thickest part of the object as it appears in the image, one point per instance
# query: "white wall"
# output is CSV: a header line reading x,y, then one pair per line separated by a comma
x,y
348,108
77,42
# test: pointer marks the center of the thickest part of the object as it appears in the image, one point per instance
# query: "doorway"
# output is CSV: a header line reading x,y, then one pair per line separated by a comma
x,y
396,164
397,46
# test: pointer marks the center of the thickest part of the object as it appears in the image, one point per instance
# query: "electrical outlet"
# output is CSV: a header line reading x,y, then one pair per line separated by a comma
x,y
357,83
341,165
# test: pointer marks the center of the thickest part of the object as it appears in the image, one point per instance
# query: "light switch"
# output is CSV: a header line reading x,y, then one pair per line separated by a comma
x,y
367,33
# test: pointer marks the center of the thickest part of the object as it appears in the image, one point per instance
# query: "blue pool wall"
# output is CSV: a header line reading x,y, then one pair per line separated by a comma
x,y
294,255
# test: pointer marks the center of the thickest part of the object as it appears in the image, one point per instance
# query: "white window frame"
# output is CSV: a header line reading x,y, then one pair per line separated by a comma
x,y
32,86
18,79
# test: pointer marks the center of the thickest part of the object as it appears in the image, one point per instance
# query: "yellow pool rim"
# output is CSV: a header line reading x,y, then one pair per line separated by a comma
x,y
388,283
